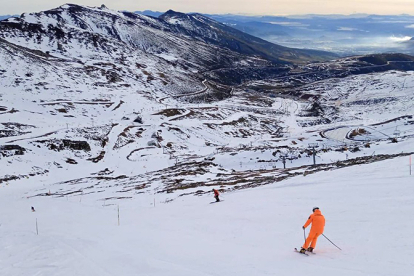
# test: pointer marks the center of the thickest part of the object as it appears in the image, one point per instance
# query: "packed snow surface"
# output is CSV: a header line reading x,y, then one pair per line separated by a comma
x,y
368,211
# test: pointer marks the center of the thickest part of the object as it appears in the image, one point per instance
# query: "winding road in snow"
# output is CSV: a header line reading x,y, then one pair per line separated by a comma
x,y
188,94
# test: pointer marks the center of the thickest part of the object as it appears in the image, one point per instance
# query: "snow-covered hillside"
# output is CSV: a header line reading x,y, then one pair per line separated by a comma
x,y
84,33
132,143
142,119
252,232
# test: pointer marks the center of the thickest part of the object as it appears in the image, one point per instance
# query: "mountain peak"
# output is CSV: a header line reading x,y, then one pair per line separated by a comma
x,y
173,14
188,16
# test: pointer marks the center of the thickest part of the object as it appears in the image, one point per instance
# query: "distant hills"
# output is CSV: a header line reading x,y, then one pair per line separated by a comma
x,y
342,34
2,17
207,29
345,35
150,13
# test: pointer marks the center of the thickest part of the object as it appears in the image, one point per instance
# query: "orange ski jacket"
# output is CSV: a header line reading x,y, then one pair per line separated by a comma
x,y
317,220
216,193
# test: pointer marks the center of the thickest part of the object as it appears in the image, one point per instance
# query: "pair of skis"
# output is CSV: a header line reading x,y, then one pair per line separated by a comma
x,y
305,253
216,201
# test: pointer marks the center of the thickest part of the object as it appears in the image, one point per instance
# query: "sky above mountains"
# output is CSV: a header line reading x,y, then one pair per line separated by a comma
x,y
253,7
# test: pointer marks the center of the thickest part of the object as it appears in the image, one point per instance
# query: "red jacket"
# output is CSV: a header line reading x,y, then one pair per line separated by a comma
x,y
216,193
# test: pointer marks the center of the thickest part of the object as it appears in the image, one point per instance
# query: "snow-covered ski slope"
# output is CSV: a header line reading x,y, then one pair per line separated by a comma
x,y
368,212
85,128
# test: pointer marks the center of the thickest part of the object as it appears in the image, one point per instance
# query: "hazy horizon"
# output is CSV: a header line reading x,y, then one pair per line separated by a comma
x,y
240,7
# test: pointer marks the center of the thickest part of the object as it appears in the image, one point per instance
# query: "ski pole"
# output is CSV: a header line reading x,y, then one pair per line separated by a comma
x,y
304,234
331,242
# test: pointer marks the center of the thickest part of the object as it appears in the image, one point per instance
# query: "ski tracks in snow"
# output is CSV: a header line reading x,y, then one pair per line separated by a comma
x,y
29,254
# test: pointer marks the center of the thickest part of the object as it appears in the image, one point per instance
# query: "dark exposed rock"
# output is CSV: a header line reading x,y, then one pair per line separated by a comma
x,y
71,161
97,158
65,144
138,120
10,150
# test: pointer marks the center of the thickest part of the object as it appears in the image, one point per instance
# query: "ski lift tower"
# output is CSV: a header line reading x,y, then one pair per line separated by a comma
x,y
284,156
397,133
313,146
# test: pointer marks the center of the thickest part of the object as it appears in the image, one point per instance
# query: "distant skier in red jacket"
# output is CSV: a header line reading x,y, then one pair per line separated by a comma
x,y
216,195
318,225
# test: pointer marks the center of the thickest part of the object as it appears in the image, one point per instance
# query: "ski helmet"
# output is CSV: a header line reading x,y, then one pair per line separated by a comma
x,y
315,208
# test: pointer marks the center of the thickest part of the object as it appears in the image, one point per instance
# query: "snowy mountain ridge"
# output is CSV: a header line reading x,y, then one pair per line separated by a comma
x,y
215,32
92,97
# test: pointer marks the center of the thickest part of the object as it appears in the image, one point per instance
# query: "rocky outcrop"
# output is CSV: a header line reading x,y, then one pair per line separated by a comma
x,y
64,144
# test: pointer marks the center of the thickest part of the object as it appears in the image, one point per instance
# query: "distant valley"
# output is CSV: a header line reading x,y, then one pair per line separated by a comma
x,y
353,34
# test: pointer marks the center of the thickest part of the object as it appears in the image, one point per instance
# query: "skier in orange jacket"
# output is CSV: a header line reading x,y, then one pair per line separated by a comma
x,y
216,195
318,224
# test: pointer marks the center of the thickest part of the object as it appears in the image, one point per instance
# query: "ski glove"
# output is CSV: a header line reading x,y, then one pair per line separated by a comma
x,y
303,227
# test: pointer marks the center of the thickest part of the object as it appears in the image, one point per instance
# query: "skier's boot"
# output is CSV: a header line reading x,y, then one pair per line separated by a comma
x,y
302,250
310,249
